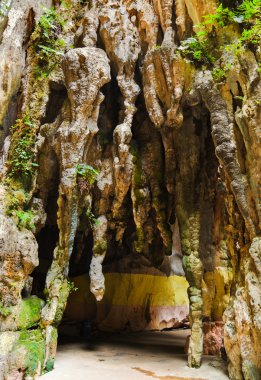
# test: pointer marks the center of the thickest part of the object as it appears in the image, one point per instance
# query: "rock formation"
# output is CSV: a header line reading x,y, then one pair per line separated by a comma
x,y
130,160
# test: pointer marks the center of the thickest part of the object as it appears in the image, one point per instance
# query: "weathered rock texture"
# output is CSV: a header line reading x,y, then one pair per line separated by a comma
x,y
130,159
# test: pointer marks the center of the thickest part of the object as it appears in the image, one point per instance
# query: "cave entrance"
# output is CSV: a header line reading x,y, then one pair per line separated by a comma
x,y
139,295
97,340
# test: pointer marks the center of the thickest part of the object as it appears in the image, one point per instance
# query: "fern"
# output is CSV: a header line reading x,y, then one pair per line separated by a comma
x,y
249,9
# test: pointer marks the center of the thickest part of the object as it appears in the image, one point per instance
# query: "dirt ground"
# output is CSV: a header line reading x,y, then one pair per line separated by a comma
x,y
131,356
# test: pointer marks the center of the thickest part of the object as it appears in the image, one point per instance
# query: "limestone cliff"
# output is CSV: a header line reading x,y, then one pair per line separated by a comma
x,y
130,145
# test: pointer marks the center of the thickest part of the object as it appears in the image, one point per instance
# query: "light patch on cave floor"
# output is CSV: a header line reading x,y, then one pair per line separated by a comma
x,y
132,356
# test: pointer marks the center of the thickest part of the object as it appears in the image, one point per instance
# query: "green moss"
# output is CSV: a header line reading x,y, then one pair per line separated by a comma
x,y
31,342
30,312
4,311
52,345
99,247
17,206
49,365
63,296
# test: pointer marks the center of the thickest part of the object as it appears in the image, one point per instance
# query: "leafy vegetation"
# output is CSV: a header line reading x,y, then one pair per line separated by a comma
x,y
71,286
87,172
91,218
47,44
16,208
246,12
197,49
21,159
249,9
25,219
220,74
4,311
202,48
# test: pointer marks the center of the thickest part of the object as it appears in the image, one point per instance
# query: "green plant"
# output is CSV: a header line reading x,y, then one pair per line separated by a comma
x,y
220,74
243,13
91,218
249,9
49,365
251,36
71,287
46,43
87,172
4,7
197,49
238,97
25,219
17,207
202,48
65,4
222,17
21,158
4,311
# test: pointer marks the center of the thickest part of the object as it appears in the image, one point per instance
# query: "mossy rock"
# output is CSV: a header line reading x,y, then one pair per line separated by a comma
x,y
29,350
30,312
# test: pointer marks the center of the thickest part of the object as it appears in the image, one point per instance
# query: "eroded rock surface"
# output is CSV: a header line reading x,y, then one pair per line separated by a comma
x,y
130,155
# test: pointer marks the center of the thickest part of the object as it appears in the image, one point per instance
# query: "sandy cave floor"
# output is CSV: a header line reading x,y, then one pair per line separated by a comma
x,y
132,356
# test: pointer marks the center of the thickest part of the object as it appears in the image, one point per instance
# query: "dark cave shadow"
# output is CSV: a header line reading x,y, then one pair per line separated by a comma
x,y
165,342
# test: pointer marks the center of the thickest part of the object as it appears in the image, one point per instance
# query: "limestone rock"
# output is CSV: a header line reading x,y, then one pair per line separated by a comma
x,y
134,163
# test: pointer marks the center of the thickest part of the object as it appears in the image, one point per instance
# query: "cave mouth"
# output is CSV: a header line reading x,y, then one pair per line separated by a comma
x,y
138,296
